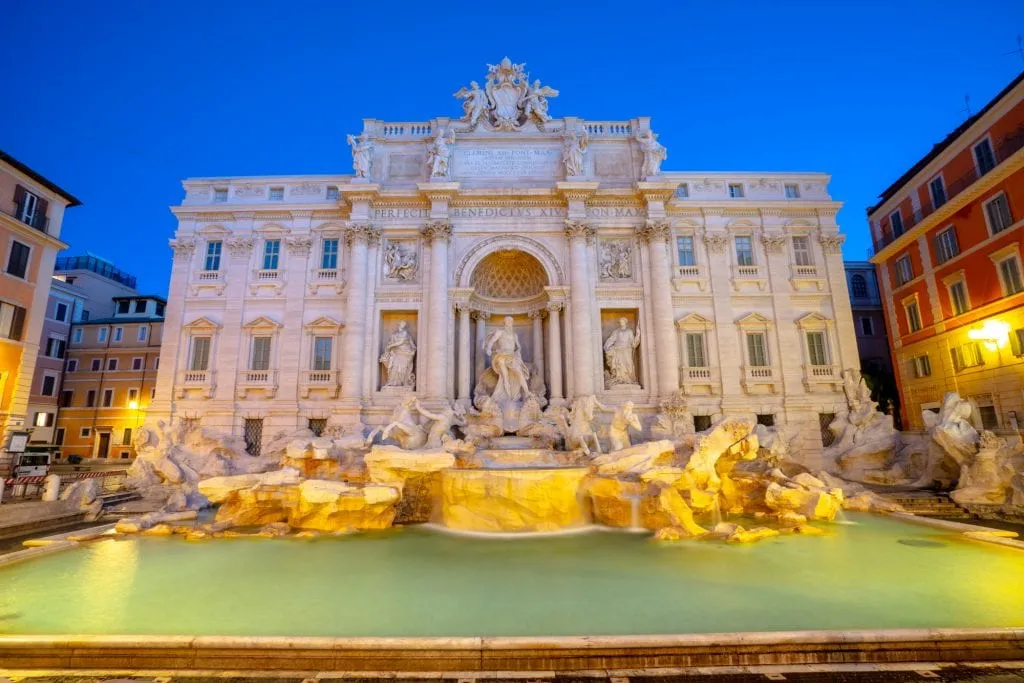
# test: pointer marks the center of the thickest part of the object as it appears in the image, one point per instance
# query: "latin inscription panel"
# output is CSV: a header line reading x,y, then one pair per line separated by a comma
x,y
508,162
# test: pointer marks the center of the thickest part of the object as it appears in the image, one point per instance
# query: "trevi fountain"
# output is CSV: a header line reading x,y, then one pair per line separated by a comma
x,y
489,419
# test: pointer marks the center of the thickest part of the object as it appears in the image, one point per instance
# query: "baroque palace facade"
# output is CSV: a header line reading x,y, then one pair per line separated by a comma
x,y
306,300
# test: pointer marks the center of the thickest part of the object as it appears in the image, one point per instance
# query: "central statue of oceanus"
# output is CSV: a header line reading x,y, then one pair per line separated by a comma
x,y
508,100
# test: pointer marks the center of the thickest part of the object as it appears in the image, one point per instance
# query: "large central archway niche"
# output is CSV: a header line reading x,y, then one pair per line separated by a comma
x,y
507,277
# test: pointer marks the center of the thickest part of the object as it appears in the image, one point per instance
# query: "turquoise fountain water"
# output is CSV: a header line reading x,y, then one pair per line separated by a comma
x,y
878,573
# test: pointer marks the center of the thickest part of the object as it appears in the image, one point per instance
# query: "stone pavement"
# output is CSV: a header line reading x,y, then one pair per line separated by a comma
x,y
1010,672
17,518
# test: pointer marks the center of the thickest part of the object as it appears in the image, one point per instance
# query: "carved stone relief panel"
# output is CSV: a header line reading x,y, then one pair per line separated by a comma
x,y
401,260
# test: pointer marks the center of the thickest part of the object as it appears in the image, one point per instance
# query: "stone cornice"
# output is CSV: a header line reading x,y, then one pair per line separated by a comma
x,y
358,192
573,191
655,191
438,192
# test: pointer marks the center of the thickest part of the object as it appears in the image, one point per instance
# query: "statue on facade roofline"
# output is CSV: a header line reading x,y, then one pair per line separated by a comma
x,y
474,103
535,103
361,159
438,154
654,153
573,146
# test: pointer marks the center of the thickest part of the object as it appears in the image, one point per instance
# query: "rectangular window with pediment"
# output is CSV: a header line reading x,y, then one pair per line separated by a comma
x,y
757,349
696,357
817,348
322,351
271,254
684,246
802,250
744,251
213,250
260,358
200,358
329,254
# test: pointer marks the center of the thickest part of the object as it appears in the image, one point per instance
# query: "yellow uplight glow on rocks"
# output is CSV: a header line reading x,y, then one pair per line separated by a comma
x,y
993,334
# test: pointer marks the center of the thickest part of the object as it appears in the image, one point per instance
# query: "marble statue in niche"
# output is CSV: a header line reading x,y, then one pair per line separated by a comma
x,y
400,261
438,154
619,355
574,144
502,345
398,358
361,159
654,153
616,260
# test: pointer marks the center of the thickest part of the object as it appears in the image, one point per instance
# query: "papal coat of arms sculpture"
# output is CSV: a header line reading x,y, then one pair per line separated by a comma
x,y
509,102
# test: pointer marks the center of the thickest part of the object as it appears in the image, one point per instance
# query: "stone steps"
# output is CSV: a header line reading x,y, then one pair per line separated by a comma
x,y
119,497
930,505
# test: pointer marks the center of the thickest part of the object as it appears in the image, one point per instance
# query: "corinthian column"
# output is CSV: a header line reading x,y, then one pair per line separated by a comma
x,y
357,238
436,234
657,234
579,234
481,318
555,349
538,340
464,396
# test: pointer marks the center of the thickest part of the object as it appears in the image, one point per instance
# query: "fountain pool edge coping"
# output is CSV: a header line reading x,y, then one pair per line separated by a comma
x,y
507,654
128,654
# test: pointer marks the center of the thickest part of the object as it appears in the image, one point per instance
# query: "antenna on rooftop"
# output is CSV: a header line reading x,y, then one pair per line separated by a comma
x,y
967,105
1020,49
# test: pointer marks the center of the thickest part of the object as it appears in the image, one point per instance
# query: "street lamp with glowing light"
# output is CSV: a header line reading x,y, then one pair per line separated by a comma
x,y
993,334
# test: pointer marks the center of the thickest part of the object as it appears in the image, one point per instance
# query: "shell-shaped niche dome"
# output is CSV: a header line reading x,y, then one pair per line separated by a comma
x,y
509,274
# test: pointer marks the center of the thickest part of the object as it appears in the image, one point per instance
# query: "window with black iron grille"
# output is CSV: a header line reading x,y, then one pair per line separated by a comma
x,y
253,436
766,419
824,420
701,422
317,425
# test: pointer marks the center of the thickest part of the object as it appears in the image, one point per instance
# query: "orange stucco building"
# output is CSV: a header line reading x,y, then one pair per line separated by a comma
x,y
31,214
109,380
948,240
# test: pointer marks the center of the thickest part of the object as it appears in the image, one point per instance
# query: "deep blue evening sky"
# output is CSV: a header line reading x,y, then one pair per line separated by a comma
x,y
118,101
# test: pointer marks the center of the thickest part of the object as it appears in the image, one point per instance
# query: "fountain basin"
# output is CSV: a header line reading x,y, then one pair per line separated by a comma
x,y
513,499
521,458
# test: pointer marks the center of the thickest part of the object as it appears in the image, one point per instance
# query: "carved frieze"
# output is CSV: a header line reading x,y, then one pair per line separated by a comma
x,y
249,190
307,189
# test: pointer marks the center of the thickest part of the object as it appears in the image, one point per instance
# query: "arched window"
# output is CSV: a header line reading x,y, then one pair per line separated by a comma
x,y
859,286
